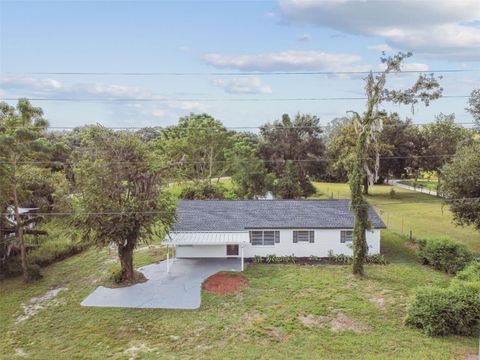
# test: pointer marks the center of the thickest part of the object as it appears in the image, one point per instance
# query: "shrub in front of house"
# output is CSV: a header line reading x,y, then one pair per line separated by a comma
x,y
444,311
444,254
377,259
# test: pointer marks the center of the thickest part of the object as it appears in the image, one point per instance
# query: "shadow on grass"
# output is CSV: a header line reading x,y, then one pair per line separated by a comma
x,y
394,249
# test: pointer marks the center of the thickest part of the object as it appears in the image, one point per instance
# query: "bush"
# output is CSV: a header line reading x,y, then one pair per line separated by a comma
x,y
439,311
377,259
33,273
203,190
257,259
393,193
470,274
444,254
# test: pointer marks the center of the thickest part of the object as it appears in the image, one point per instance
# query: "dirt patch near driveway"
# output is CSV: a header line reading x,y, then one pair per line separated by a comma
x,y
39,302
225,283
340,322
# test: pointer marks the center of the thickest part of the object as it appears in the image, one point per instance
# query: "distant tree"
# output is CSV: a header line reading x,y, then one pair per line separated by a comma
x,y
43,188
396,145
288,185
399,142
149,133
300,142
368,126
474,106
247,170
340,145
21,139
441,139
202,140
120,197
203,190
461,184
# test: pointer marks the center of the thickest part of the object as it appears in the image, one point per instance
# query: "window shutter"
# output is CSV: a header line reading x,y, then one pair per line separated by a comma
x,y
295,240
312,236
277,237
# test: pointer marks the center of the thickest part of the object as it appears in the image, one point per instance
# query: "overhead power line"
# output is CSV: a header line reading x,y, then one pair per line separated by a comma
x,y
153,100
232,73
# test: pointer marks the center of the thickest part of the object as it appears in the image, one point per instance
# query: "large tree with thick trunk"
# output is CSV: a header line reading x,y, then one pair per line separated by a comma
x,y
368,126
120,198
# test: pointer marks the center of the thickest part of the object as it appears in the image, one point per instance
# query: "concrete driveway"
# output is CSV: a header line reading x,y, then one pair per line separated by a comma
x,y
178,289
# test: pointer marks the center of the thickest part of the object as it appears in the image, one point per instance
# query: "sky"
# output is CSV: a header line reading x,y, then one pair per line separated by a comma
x,y
224,57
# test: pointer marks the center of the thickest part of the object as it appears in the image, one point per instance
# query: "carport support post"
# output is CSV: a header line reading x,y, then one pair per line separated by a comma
x,y
168,260
242,257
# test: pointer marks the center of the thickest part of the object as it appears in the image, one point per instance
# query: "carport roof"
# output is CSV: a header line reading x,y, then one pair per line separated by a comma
x,y
241,215
208,238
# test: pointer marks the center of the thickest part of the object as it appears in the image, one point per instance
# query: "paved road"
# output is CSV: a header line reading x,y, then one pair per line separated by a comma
x,y
418,189
178,289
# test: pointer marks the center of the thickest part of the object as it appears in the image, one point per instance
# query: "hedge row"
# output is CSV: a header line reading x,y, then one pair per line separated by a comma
x,y
453,310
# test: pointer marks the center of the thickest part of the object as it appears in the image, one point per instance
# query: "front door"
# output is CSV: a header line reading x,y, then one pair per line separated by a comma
x,y
232,250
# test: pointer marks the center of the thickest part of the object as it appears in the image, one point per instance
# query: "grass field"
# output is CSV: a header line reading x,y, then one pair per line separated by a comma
x,y
408,210
287,312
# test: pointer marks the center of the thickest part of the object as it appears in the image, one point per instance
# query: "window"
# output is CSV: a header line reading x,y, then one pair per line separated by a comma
x,y
304,236
265,238
346,236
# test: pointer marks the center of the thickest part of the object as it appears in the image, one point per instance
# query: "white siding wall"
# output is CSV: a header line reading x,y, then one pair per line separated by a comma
x,y
325,240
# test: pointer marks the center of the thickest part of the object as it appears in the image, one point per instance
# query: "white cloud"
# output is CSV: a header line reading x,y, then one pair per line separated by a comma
x,y
431,27
414,67
14,82
284,61
143,112
109,91
52,87
159,113
270,14
184,49
243,85
380,48
190,106
304,37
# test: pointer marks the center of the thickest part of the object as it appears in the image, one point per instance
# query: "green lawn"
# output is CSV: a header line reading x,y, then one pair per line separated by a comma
x,y
286,312
409,210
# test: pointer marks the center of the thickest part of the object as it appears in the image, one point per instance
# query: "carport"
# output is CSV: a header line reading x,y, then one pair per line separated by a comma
x,y
206,244
180,288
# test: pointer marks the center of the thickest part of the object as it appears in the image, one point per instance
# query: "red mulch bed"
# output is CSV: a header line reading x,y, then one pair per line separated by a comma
x,y
225,283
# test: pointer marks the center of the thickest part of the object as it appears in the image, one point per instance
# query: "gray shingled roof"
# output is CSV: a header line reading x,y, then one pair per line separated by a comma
x,y
238,215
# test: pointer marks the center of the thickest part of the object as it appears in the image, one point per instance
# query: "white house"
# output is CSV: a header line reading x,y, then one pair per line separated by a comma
x,y
245,228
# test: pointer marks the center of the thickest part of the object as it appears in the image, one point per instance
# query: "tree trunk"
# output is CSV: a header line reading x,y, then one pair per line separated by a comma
x,y
18,225
359,207
3,242
365,185
125,253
